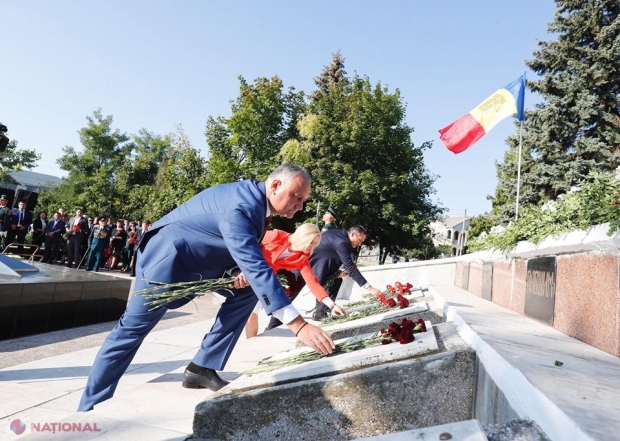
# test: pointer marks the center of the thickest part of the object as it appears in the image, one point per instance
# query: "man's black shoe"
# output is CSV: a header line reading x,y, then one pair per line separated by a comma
x,y
208,378
319,315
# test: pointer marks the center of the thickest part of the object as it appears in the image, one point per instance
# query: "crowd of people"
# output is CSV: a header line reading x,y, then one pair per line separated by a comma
x,y
79,241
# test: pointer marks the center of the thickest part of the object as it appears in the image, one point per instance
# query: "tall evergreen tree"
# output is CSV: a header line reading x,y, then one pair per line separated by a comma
x,y
576,129
357,147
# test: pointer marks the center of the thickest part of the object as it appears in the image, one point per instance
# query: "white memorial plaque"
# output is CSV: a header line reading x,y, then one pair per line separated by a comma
x,y
424,343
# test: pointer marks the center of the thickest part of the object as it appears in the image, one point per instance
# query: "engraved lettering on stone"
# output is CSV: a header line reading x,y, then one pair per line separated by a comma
x,y
541,283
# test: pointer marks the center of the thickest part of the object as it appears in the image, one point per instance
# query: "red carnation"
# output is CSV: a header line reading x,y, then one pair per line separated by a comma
x,y
391,303
403,301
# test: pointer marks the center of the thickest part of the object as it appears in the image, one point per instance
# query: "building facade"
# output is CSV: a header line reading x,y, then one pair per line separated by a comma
x,y
451,231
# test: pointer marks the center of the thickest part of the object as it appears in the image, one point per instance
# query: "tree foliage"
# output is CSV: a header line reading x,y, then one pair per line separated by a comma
x,y
16,159
247,144
113,174
182,174
359,152
480,224
576,129
596,201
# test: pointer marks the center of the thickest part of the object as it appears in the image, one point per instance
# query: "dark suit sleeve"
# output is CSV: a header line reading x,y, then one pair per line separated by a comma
x,y
240,230
343,248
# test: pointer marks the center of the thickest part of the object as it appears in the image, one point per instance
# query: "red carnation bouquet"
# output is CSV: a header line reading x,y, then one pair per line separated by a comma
x,y
403,331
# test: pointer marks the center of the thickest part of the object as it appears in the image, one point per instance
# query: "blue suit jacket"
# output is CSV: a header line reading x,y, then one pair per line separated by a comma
x,y
334,250
58,230
217,229
27,219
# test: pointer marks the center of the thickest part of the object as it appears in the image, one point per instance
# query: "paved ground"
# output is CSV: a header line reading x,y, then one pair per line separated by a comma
x,y
36,347
42,377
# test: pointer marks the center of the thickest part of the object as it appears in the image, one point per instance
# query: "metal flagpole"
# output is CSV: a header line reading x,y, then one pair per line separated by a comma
x,y
519,170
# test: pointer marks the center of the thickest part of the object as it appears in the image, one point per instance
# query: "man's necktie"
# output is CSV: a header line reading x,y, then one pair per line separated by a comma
x,y
21,217
267,224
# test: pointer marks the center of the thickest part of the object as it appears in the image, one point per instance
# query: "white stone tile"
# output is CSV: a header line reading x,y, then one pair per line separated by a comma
x,y
424,343
462,431
189,335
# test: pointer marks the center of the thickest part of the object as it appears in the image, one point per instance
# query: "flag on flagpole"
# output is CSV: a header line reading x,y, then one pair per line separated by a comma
x,y
465,131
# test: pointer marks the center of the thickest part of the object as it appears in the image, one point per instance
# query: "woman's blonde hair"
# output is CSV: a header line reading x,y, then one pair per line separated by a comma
x,y
303,236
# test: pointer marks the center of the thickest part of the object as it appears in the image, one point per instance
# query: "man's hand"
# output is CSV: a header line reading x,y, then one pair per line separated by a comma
x,y
338,310
374,291
240,281
312,336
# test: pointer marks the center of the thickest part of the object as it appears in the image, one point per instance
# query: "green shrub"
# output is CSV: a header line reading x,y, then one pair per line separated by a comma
x,y
596,202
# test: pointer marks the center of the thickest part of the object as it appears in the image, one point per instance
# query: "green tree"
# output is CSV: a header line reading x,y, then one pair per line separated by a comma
x,y
91,182
576,129
359,152
14,159
247,144
480,224
138,176
182,174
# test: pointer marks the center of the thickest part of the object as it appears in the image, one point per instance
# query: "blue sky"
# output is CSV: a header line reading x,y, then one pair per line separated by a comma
x,y
153,64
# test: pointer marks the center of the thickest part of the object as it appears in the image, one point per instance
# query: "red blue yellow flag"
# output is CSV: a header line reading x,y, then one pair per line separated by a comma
x,y
465,131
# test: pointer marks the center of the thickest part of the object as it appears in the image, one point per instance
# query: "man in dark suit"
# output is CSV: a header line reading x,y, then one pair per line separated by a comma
x,y
77,230
38,229
53,238
227,223
334,251
18,226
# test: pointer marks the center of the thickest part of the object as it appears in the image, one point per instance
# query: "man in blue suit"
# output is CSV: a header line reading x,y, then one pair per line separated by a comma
x,y
334,251
227,222
53,238
18,226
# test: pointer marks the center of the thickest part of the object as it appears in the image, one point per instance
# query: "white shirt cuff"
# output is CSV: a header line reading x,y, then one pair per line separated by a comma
x,y
286,314
366,285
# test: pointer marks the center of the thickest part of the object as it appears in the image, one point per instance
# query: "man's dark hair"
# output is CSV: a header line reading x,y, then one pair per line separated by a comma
x,y
357,229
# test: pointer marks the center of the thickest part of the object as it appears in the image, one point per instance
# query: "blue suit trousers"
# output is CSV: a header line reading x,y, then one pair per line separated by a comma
x,y
123,342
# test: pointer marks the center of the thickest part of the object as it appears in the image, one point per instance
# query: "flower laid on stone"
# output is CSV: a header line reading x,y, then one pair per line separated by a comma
x,y
163,293
373,309
401,332
375,305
